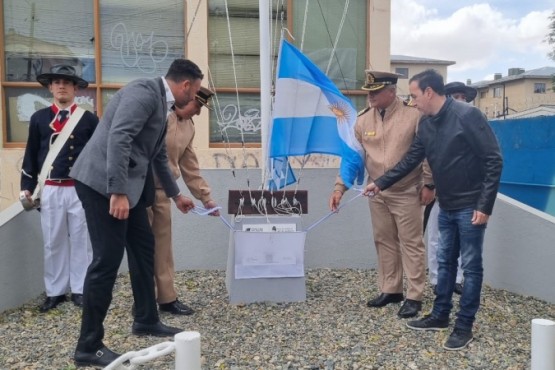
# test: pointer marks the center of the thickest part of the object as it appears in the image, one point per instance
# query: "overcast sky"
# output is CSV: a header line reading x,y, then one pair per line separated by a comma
x,y
483,38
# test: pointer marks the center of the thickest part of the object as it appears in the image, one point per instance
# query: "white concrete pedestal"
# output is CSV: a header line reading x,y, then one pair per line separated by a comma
x,y
264,289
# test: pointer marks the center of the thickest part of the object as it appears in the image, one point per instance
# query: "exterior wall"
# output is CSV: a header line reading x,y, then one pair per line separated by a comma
x,y
217,158
342,241
379,37
414,68
520,94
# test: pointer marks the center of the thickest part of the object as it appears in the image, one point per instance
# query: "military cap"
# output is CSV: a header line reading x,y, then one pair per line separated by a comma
x,y
376,80
459,87
203,97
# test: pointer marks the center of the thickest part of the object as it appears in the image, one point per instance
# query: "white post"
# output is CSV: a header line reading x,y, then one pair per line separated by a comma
x,y
265,82
543,344
187,350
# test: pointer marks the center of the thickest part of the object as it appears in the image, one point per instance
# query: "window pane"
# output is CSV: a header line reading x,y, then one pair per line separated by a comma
x,y
404,72
107,94
539,88
349,62
359,101
22,102
245,38
228,120
37,38
140,38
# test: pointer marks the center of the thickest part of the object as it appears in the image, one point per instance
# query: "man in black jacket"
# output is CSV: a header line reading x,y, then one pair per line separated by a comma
x,y
466,164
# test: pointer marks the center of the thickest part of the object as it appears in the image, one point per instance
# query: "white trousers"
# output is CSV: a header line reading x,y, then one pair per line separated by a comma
x,y
67,248
432,230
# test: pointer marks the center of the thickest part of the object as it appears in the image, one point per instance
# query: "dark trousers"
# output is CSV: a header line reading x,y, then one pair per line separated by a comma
x,y
109,236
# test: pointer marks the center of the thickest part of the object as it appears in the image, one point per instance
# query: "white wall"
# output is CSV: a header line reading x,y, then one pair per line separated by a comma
x,y
518,250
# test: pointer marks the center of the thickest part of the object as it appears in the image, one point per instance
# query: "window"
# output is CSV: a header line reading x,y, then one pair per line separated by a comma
x,y
539,88
403,72
497,92
140,38
239,121
483,94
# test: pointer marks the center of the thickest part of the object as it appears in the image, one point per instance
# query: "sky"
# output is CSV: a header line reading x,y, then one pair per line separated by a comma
x,y
483,38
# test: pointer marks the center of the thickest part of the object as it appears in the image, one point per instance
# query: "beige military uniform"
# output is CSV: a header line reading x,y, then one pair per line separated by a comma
x,y
183,162
396,212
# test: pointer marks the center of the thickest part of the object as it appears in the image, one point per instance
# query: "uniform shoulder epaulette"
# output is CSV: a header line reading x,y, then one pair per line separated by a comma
x,y
363,111
408,103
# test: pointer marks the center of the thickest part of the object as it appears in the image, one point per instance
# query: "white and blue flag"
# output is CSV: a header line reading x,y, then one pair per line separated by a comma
x,y
311,115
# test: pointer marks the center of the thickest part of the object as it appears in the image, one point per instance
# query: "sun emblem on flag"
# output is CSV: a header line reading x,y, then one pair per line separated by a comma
x,y
341,111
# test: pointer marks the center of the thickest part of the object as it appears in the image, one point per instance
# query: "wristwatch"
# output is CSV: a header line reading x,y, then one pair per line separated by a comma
x,y
430,186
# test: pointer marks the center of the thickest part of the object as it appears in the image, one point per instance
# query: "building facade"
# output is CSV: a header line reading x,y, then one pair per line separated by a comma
x,y
516,92
408,66
111,42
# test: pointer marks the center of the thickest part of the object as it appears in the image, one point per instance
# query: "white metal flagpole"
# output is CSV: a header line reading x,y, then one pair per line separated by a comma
x,y
265,83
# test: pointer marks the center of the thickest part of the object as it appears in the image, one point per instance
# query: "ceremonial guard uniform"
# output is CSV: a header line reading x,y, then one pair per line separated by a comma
x,y
67,250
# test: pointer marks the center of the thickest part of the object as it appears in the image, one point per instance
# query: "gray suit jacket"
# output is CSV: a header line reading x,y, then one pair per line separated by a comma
x,y
130,136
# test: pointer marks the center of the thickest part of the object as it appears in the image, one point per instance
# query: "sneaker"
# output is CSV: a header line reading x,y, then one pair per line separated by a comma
x,y
458,339
428,322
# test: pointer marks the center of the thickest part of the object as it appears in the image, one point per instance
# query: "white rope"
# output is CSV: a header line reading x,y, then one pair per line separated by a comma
x,y
201,211
194,18
361,193
305,17
345,9
244,164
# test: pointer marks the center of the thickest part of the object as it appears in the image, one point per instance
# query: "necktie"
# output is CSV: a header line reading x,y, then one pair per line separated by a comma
x,y
62,116
382,113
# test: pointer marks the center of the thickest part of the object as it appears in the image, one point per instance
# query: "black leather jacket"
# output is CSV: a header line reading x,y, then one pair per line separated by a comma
x,y
463,154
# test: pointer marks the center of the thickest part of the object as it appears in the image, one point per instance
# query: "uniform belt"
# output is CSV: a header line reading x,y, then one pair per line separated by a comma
x,y
64,182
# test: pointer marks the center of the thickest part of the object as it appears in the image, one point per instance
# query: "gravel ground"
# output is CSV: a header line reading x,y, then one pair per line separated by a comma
x,y
332,330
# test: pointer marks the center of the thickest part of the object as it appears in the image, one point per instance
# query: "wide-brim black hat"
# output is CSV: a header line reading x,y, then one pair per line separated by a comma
x,y
459,87
61,71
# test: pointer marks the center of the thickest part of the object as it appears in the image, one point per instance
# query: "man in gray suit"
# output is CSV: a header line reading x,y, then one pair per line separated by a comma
x,y
114,181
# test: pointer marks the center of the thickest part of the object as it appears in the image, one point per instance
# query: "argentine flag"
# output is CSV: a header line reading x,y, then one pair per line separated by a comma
x,y
311,115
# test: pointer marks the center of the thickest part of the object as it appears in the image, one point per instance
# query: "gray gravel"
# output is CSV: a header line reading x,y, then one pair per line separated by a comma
x,y
332,330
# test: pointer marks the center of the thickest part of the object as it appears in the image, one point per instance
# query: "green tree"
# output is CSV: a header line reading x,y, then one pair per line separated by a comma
x,y
550,39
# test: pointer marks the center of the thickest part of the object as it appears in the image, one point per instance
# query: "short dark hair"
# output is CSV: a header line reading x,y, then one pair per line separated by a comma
x,y
184,69
429,78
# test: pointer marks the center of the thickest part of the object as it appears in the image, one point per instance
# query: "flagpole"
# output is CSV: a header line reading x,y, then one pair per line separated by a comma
x,y
265,84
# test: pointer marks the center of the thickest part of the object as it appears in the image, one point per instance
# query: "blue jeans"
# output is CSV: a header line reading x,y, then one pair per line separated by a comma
x,y
459,237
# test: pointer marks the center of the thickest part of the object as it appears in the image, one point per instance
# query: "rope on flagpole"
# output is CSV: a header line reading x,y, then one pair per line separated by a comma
x,y
361,193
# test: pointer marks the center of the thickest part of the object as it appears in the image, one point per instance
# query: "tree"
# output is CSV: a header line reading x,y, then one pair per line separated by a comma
x,y
550,39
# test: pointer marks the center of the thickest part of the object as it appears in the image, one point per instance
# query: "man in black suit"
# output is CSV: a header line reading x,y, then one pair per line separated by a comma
x,y
114,181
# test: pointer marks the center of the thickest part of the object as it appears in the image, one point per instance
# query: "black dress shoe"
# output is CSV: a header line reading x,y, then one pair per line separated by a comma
x,y
77,299
102,357
52,302
409,309
176,308
157,330
385,299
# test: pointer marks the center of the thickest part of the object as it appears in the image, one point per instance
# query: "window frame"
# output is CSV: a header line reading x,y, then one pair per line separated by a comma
x,y
404,75
99,86
251,90
540,87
